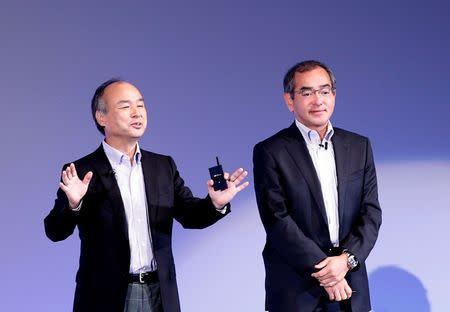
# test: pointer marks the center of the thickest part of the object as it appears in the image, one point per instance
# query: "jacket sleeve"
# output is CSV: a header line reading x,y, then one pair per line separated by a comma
x,y
283,234
364,233
190,211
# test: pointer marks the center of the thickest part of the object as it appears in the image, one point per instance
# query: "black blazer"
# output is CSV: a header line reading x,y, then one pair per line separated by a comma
x,y
292,210
105,250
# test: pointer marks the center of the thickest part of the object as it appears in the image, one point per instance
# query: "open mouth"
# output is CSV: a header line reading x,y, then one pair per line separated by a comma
x,y
136,124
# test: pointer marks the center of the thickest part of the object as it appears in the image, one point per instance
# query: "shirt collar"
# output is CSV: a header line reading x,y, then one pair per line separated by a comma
x,y
117,157
312,136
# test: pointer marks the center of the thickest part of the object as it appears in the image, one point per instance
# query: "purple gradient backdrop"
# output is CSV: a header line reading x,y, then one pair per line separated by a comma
x,y
211,75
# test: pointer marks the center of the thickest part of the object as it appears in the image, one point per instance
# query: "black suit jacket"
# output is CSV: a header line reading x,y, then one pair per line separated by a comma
x,y
105,250
292,210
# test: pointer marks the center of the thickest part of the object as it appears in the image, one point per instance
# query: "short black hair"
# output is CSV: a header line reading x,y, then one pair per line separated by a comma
x,y
97,104
305,66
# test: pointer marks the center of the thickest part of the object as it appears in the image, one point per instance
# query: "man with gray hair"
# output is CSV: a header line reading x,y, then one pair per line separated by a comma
x,y
316,190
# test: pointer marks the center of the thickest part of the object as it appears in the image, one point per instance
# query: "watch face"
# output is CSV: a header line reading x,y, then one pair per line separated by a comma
x,y
352,262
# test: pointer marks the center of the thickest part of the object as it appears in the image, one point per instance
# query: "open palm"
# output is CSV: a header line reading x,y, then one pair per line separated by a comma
x,y
221,198
74,188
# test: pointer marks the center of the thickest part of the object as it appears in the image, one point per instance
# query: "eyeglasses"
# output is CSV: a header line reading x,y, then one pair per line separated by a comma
x,y
323,91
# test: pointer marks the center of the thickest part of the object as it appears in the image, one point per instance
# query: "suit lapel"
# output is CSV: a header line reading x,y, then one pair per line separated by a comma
x,y
107,178
149,169
341,154
300,154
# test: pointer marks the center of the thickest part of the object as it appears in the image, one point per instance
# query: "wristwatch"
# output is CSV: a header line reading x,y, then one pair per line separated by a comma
x,y
352,261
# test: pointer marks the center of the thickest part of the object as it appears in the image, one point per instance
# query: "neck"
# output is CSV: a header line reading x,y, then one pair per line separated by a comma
x,y
322,131
128,148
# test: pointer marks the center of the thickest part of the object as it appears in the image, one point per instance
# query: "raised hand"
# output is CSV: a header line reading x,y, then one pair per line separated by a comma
x,y
221,198
74,188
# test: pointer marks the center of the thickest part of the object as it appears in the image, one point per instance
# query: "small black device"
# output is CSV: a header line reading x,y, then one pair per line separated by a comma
x,y
216,173
324,145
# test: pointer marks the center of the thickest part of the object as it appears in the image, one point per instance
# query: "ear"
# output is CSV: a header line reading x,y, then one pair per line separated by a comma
x,y
289,101
100,117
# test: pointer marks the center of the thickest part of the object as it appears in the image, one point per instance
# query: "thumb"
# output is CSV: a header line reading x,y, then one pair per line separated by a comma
x,y
322,264
87,178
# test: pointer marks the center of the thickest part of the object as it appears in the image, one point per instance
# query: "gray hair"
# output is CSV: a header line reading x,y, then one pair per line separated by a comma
x,y
305,66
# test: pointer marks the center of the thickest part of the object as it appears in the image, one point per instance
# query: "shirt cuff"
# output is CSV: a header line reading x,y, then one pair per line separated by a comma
x,y
77,208
224,209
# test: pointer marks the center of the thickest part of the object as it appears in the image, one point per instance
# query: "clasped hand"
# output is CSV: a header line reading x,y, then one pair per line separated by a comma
x,y
331,276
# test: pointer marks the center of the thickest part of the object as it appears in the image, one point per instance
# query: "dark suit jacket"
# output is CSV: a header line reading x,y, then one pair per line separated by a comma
x,y
105,251
292,210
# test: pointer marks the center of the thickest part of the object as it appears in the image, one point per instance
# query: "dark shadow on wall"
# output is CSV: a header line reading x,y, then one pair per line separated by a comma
x,y
393,289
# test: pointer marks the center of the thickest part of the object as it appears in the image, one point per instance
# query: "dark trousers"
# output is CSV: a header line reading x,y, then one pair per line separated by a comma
x,y
143,298
326,305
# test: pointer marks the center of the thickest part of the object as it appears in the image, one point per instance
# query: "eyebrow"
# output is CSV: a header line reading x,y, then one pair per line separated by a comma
x,y
320,87
128,101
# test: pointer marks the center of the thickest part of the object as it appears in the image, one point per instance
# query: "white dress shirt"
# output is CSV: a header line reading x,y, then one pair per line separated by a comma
x,y
130,179
322,155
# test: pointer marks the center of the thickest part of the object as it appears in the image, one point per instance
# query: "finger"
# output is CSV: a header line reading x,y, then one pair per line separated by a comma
x,y
327,282
210,184
73,171
242,186
226,176
66,172
64,177
343,292
87,178
236,174
321,264
323,274
337,295
330,294
320,275
69,172
348,291
63,187
240,177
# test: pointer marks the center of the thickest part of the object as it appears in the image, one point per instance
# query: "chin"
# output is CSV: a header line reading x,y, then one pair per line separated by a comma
x,y
138,131
138,135
321,121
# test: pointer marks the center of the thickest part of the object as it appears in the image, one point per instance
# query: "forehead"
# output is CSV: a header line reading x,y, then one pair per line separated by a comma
x,y
121,91
313,78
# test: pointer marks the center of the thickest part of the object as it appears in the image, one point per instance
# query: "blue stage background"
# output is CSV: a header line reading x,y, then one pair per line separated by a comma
x,y
211,74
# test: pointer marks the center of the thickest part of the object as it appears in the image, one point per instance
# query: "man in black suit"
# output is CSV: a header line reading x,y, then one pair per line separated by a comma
x,y
124,204
316,190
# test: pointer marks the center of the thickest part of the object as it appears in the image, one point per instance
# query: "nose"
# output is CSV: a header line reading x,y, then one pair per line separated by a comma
x,y
134,111
317,99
